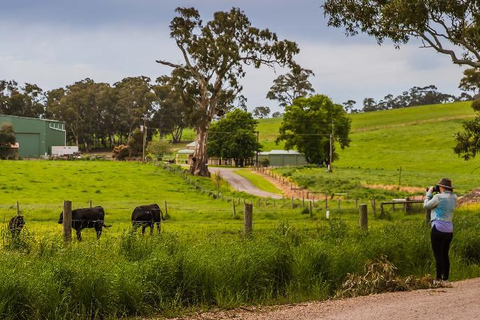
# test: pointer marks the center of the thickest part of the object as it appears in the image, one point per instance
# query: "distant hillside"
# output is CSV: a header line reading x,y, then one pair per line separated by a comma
x,y
417,139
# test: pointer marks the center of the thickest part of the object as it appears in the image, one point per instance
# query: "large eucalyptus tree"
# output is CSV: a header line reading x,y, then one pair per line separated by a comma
x,y
214,57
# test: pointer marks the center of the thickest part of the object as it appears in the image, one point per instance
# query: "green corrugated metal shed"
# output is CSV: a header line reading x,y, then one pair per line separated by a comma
x,y
36,136
280,158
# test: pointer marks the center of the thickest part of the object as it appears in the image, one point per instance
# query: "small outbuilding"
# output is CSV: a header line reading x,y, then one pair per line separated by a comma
x,y
281,158
35,137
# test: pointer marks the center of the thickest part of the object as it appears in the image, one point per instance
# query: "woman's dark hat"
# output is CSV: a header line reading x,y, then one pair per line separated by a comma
x,y
446,183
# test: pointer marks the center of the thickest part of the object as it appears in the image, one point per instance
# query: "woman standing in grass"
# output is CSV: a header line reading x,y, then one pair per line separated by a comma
x,y
442,205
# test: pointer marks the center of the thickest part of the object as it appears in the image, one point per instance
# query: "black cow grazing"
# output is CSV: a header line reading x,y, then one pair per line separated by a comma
x,y
87,218
15,225
147,216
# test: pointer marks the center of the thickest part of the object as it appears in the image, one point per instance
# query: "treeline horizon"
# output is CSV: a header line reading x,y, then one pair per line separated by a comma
x,y
100,115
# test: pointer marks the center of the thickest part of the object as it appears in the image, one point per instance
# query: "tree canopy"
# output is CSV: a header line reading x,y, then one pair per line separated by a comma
x,y
173,113
7,138
290,86
308,123
214,58
26,101
261,112
234,137
450,27
471,81
468,141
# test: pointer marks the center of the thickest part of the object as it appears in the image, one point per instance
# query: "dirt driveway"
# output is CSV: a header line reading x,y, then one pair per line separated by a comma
x,y
241,184
461,301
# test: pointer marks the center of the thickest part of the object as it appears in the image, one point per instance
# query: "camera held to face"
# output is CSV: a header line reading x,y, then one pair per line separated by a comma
x,y
436,189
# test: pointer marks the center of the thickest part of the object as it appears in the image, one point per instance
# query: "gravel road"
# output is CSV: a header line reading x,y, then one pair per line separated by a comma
x,y
242,184
460,301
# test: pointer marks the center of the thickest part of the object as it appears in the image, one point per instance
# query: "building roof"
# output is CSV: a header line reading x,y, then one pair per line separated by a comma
x,y
30,118
279,152
185,151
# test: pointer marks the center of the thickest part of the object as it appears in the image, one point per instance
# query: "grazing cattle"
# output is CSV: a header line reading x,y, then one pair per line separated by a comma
x,y
15,225
147,216
87,218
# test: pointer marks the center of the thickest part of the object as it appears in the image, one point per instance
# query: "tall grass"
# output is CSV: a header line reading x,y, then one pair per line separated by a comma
x,y
134,275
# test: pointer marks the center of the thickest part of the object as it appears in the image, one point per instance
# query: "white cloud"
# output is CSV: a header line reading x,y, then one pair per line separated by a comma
x,y
56,54
359,71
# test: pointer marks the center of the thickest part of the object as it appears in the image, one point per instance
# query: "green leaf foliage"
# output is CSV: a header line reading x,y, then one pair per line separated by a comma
x,y
7,138
234,137
468,141
450,27
308,123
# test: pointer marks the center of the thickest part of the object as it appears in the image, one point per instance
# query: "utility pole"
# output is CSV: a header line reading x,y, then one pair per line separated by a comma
x,y
256,155
331,151
144,138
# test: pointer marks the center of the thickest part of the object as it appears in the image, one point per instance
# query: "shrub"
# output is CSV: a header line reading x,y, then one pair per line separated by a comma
x,y
476,104
121,152
157,149
135,143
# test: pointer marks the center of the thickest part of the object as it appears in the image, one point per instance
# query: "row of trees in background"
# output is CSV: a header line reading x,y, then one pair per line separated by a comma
x,y
98,114
415,96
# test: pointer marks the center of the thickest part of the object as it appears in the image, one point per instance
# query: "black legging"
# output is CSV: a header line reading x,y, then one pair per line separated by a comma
x,y
441,245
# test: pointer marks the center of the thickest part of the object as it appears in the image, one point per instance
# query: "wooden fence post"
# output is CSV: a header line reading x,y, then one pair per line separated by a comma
x,y
234,211
90,203
374,207
293,204
363,217
311,209
18,209
248,218
67,221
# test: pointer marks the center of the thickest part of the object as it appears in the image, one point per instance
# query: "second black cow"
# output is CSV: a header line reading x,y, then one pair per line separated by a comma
x,y
146,216
87,218
15,225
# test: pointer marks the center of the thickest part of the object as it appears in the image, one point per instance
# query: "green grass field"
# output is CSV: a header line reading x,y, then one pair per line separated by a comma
x,y
202,259
418,141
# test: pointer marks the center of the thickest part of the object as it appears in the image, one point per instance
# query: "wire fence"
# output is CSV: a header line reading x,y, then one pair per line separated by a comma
x,y
309,202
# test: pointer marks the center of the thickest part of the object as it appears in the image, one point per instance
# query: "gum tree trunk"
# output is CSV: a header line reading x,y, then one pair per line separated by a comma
x,y
199,165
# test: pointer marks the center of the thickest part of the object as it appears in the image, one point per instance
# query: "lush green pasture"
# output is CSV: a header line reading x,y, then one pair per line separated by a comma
x,y
268,129
413,115
410,147
201,259
40,187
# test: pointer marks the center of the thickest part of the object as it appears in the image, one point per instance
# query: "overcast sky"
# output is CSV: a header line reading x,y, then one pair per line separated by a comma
x,y
54,43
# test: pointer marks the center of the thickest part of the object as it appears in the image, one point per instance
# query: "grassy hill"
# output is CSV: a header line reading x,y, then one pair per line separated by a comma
x,y
419,140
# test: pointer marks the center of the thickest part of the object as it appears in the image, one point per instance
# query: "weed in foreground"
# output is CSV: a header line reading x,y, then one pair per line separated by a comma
x,y
381,276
